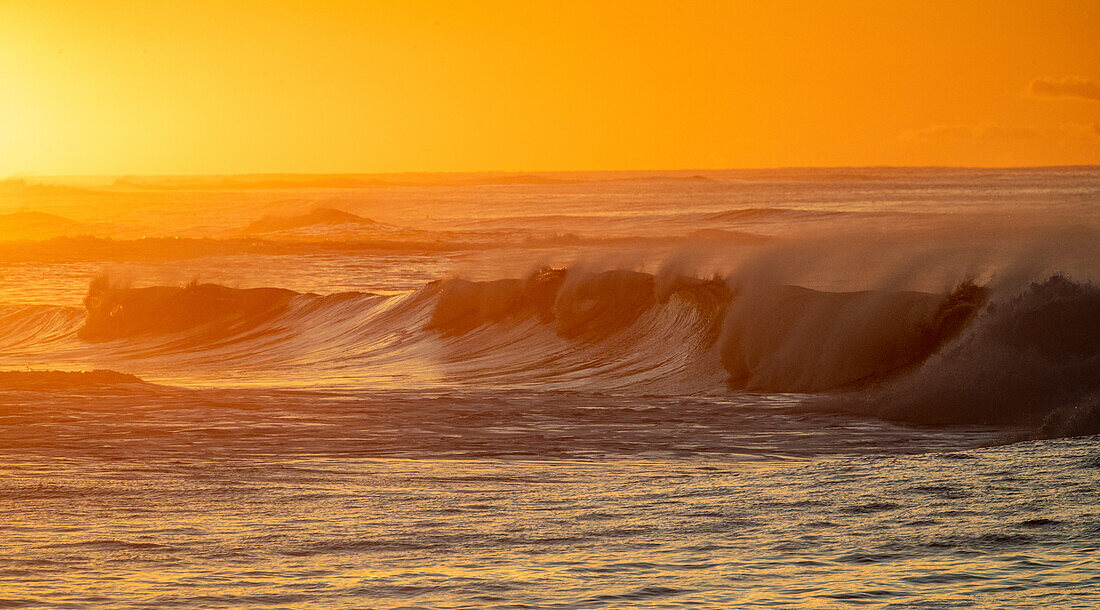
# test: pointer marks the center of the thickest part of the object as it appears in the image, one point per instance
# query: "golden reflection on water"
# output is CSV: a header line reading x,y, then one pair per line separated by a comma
x,y
614,533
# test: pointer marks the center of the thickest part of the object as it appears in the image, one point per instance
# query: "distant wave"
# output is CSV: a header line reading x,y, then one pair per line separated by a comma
x,y
971,356
99,249
86,248
21,187
38,225
318,216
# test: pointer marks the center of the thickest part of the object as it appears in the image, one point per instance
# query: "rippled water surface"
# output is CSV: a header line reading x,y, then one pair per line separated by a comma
x,y
293,500
1005,526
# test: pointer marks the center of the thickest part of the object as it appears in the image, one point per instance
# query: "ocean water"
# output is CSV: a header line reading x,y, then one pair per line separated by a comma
x,y
819,388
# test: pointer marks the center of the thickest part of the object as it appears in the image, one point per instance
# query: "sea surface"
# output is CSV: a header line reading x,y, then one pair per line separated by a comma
x,y
789,388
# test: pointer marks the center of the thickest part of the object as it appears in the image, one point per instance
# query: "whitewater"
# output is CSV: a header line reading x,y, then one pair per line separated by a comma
x,y
816,388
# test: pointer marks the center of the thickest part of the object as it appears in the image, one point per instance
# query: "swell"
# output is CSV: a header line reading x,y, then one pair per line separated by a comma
x,y
976,355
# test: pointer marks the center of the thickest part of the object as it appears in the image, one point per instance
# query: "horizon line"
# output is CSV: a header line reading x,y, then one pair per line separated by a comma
x,y
25,175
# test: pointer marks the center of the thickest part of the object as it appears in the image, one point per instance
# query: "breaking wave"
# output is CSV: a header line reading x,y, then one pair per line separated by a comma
x,y
1032,359
114,313
65,380
971,356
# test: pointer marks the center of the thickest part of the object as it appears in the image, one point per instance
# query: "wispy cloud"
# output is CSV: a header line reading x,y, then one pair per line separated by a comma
x,y
936,133
1069,87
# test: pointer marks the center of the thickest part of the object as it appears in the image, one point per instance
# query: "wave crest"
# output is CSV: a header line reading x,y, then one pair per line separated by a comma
x,y
579,305
115,313
47,381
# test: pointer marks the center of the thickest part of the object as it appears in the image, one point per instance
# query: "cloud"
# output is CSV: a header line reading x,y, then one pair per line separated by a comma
x,y
1073,87
939,133
1078,131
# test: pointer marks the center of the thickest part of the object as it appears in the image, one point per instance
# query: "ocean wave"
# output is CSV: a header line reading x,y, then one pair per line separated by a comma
x,y
975,355
577,305
317,216
44,381
1032,359
114,313
792,339
23,326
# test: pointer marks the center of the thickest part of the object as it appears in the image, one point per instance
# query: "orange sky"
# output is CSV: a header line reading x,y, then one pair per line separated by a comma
x,y
111,87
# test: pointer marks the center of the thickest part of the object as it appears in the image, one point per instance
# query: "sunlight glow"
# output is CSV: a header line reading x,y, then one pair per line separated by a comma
x,y
119,87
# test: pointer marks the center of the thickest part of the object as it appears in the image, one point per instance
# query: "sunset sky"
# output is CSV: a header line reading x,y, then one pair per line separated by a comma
x,y
112,87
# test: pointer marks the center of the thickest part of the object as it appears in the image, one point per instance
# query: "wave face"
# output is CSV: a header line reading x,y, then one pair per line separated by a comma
x,y
1030,359
65,380
975,355
114,313
791,339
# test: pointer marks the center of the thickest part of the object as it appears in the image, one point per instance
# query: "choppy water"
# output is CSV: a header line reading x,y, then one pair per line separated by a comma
x,y
1004,526
822,389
